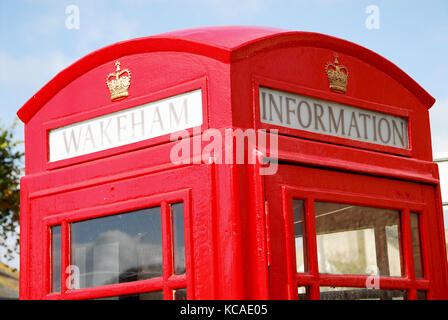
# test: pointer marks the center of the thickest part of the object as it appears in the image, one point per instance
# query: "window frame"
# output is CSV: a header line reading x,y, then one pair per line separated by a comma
x,y
313,280
167,283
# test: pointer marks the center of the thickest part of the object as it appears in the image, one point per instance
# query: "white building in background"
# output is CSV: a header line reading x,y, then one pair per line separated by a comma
x,y
9,283
442,160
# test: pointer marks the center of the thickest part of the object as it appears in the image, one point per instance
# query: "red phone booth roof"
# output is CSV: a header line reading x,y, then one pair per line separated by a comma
x,y
227,44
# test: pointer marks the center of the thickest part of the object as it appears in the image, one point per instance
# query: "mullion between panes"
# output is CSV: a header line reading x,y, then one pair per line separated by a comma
x,y
310,226
167,249
287,208
407,251
65,255
49,260
187,237
421,237
424,249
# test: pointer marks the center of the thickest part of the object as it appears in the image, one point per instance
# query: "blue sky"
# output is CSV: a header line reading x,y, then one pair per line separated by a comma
x,y
36,45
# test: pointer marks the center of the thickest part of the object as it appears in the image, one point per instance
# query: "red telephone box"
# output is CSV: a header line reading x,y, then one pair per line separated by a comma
x,y
348,205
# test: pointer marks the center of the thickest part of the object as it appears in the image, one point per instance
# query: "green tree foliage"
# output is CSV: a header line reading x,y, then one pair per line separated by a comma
x,y
10,171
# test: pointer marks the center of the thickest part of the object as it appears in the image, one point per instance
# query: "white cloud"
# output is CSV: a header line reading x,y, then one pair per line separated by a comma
x,y
99,29
233,8
112,28
101,24
31,70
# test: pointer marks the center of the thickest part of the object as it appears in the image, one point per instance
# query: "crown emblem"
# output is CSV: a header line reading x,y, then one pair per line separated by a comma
x,y
337,74
118,83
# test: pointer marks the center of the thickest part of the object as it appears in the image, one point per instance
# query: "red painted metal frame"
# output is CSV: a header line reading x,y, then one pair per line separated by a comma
x,y
289,188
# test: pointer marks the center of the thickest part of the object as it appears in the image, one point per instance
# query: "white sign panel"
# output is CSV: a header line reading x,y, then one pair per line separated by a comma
x,y
139,123
330,118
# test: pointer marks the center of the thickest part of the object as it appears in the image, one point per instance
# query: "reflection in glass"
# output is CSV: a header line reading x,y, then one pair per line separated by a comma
x,y
180,294
340,293
155,295
177,216
118,248
299,231
56,259
358,240
445,218
303,293
416,249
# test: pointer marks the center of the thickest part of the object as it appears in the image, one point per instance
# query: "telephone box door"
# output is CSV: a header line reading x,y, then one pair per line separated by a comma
x,y
340,235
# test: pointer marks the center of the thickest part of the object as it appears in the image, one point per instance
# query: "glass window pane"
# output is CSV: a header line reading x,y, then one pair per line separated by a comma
x,y
299,231
180,294
445,219
156,295
303,293
416,249
340,293
118,248
56,259
421,295
177,214
358,240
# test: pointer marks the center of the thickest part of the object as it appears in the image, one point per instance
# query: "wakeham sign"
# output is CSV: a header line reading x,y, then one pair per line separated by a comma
x,y
295,111
135,124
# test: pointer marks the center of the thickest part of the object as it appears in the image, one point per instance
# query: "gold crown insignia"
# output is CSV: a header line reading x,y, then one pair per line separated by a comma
x,y
118,83
337,74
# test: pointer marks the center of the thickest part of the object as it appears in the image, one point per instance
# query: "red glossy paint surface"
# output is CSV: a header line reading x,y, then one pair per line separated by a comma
x,y
229,237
